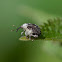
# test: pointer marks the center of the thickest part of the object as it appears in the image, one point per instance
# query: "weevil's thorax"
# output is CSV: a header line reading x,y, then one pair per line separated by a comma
x,y
28,32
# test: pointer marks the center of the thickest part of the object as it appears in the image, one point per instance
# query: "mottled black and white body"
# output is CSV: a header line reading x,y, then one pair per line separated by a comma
x,y
30,30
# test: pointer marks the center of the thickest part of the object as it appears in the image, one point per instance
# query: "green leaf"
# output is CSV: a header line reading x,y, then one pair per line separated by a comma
x,y
52,29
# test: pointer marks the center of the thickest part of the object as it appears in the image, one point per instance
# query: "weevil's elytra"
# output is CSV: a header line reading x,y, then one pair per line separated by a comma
x,y
31,30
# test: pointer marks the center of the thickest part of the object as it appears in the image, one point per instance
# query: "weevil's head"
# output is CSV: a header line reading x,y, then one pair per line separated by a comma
x,y
24,26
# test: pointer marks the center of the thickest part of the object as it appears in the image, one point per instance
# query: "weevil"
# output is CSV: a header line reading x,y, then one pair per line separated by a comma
x,y
30,30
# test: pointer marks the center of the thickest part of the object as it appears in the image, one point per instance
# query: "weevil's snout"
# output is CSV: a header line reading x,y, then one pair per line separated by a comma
x,y
19,28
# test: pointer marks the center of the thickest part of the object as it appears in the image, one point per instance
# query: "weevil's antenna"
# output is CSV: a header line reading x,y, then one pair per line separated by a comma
x,y
14,26
13,29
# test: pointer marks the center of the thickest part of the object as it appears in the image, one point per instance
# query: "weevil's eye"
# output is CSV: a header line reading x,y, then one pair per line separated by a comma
x,y
33,33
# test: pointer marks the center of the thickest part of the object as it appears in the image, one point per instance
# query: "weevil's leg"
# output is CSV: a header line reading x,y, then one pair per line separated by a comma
x,y
35,36
27,37
22,33
30,37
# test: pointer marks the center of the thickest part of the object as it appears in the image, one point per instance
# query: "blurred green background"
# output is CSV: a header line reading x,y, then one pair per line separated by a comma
x,y
17,12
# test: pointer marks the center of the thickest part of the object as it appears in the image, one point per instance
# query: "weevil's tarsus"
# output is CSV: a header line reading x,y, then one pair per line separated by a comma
x,y
29,37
